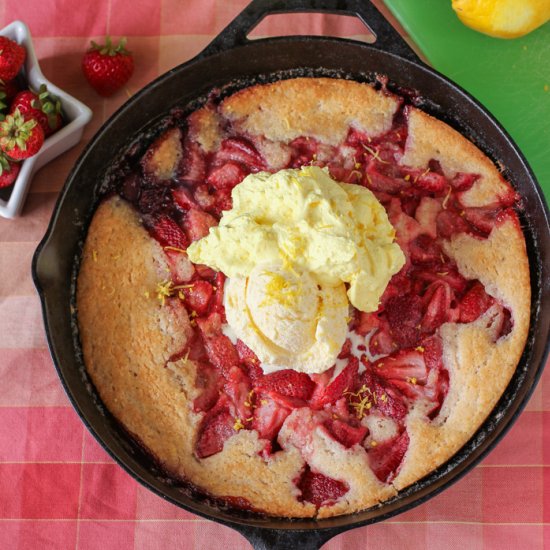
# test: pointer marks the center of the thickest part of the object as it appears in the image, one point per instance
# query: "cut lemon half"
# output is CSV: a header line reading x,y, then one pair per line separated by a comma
x,y
503,18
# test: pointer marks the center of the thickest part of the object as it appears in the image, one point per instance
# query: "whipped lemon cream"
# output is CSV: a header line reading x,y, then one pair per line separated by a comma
x,y
289,246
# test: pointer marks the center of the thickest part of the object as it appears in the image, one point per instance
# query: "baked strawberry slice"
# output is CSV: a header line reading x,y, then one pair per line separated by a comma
x,y
474,303
425,251
237,388
462,181
376,179
385,458
365,322
303,151
387,399
192,168
483,218
437,305
344,382
345,433
221,352
168,233
250,361
431,182
197,296
450,223
269,416
406,365
239,150
197,224
404,316
215,429
287,383
319,489
183,198
209,381
227,176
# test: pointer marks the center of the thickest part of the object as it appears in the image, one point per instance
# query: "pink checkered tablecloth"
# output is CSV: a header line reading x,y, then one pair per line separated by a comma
x,y
58,488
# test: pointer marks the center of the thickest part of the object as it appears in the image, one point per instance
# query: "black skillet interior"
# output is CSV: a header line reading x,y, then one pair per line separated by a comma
x,y
232,58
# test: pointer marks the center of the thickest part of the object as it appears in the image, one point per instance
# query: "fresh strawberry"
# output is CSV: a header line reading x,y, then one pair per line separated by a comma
x,y
9,170
288,383
12,57
20,139
345,433
197,296
197,224
319,489
341,384
215,429
227,175
386,457
169,233
475,302
8,90
41,106
108,67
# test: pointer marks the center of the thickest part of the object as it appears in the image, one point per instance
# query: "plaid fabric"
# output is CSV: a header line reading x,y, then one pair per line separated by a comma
x,y
58,488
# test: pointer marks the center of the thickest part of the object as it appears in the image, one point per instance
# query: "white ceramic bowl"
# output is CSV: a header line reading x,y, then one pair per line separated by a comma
x,y
76,116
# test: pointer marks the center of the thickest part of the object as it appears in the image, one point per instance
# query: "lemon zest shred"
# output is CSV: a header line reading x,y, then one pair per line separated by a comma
x,y
375,154
175,249
238,424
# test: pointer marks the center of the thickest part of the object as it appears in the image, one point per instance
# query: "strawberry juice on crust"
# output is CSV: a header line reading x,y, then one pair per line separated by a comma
x,y
409,369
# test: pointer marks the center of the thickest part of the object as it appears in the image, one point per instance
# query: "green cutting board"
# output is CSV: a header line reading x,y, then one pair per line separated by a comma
x,y
510,77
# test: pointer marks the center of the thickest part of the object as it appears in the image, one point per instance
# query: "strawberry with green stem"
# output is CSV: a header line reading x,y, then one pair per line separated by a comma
x,y
108,67
20,138
41,106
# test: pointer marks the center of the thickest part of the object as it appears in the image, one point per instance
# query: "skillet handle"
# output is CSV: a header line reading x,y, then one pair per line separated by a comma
x,y
387,38
271,539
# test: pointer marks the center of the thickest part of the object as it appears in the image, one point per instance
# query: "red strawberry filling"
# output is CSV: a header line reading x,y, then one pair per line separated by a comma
x,y
399,359
319,489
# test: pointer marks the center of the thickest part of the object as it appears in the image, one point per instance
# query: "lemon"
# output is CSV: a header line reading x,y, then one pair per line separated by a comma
x,y
503,18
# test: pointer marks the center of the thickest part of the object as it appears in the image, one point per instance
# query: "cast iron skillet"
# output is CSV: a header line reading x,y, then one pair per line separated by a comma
x,y
231,57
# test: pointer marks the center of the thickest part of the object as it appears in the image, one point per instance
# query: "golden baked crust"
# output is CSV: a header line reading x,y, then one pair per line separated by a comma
x,y
129,353
310,107
128,339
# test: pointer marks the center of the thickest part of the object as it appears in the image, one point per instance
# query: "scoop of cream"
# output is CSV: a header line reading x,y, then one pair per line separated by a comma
x,y
302,219
287,318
